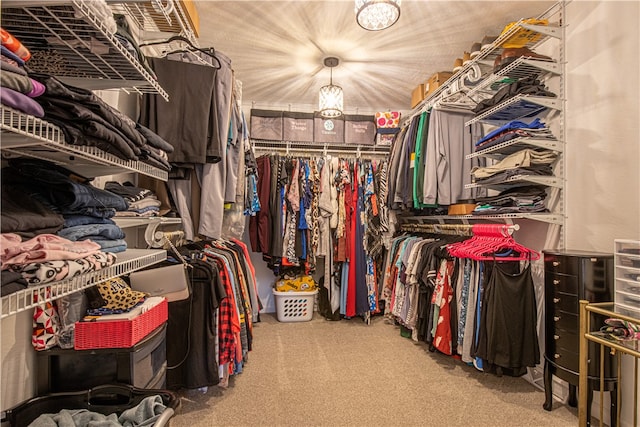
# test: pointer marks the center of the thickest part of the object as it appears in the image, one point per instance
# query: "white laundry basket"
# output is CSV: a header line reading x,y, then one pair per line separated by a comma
x,y
295,306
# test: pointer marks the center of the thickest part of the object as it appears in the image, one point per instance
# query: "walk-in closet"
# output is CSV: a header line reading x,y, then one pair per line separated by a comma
x,y
319,213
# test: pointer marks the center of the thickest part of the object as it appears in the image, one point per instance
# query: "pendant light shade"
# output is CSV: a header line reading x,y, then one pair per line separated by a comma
x,y
331,98
377,15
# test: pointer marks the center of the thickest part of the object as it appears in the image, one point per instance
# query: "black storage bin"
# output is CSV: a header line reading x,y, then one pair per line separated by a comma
x,y
297,127
266,124
329,131
104,399
143,365
359,129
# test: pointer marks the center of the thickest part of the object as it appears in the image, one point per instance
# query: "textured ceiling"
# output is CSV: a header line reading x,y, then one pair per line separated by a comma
x,y
277,47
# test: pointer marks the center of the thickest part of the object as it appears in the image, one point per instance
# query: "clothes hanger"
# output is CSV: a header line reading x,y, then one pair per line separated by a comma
x,y
209,51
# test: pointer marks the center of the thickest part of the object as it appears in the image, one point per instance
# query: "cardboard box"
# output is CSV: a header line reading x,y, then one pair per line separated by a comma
x,y
417,95
189,8
435,81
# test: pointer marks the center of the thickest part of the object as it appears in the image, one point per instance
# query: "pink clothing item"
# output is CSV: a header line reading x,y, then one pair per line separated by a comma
x,y
44,247
294,188
38,89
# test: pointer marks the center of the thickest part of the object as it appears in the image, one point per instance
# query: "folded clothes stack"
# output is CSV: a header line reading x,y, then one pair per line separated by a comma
x,y
83,117
522,162
142,202
17,89
85,210
525,199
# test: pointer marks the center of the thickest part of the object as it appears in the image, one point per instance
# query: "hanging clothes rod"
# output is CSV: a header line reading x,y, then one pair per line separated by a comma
x,y
302,149
462,229
163,239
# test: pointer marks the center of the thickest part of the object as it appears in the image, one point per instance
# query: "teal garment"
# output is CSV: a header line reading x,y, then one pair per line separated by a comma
x,y
420,161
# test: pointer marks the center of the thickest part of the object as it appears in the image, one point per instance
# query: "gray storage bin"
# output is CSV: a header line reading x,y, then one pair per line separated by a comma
x,y
330,131
359,129
297,127
266,124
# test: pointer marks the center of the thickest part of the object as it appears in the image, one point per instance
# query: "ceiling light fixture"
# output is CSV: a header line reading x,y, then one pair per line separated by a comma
x,y
377,15
331,96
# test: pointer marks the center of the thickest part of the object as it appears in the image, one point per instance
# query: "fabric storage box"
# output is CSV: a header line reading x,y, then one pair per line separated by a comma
x,y
105,399
266,124
295,306
359,129
120,333
297,127
330,131
435,81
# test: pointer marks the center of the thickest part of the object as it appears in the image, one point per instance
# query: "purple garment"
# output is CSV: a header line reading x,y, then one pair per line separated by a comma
x,y
21,102
38,89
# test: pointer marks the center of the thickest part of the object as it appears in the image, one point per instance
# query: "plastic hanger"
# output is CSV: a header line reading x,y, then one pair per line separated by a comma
x,y
209,51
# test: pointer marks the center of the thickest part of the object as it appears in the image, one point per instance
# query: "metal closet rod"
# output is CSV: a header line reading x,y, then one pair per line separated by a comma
x,y
460,229
289,150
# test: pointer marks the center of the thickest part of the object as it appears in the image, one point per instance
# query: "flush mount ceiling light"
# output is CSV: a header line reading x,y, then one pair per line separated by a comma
x,y
377,15
331,96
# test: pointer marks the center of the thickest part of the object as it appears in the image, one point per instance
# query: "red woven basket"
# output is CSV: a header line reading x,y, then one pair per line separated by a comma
x,y
122,333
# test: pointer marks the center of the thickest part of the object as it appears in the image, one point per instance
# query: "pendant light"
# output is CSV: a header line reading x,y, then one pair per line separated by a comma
x,y
331,101
377,15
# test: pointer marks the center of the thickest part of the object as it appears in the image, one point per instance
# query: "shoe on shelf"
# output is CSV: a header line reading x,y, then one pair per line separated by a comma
x,y
511,54
466,57
475,49
457,65
487,41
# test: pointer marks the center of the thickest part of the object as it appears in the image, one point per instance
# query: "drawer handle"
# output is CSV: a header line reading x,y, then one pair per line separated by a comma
x,y
556,318
557,356
556,282
556,300
556,337
556,263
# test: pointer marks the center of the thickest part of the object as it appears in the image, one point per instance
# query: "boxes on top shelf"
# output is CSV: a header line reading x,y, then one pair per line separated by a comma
x,y
435,81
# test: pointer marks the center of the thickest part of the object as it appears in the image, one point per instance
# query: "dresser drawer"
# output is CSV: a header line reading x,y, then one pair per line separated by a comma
x,y
560,341
563,320
565,302
567,359
575,263
563,264
561,283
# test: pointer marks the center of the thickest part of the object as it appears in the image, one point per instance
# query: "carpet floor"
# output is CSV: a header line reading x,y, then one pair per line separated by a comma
x,y
347,373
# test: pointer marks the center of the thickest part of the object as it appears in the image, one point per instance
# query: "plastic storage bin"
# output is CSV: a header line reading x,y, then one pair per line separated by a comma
x,y
105,399
120,333
294,306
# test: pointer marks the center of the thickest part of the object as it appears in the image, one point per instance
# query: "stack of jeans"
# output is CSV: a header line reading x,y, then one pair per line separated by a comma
x,y
87,210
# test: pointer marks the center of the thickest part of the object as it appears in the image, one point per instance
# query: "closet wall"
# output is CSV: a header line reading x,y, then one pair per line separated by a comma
x,y
602,192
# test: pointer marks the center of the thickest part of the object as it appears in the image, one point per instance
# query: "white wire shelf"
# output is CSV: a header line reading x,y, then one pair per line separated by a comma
x,y
519,68
157,20
509,147
508,218
484,60
25,135
128,261
69,40
548,181
517,107
126,222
